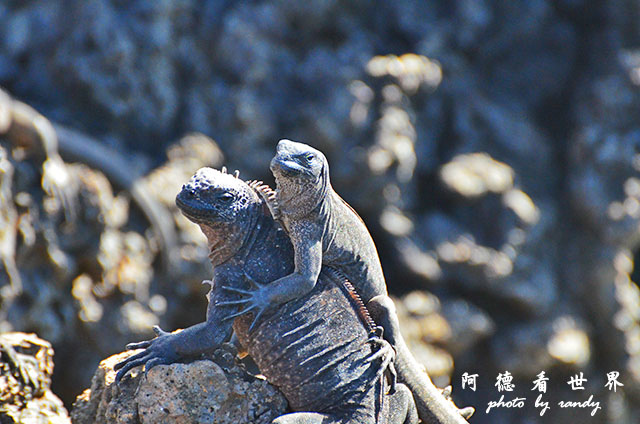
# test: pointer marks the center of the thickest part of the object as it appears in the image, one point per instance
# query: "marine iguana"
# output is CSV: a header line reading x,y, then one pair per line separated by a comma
x,y
326,231
319,349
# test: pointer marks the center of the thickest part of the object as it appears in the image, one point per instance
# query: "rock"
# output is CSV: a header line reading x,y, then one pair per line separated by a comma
x,y
26,366
75,256
196,392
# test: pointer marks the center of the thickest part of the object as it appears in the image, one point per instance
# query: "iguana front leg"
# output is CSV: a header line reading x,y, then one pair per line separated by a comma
x,y
259,297
168,348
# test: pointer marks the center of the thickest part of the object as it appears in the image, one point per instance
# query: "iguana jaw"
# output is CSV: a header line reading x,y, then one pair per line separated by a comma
x,y
302,177
296,160
194,213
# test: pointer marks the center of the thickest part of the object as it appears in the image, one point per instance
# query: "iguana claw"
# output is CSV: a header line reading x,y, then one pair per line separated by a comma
x,y
377,340
385,352
446,392
255,300
156,351
467,412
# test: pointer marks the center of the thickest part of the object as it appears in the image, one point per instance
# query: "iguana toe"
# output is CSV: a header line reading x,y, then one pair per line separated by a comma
x,y
446,392
385,352
159,331
238,302
128,364
152,363
255,300
240,312
159,350
467,412
254,284
236,290
139,345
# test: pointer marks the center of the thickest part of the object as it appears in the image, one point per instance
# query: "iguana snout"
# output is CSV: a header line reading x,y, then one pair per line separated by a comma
x,y
295,159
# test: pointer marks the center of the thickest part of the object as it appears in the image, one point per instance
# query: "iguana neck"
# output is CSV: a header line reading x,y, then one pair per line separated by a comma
x,y
235,240
298,200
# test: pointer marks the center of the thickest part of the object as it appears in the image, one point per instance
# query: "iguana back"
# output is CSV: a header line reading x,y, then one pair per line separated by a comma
x,y
314,350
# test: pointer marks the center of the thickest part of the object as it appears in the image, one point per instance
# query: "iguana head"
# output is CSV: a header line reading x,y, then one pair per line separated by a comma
x,y
301,173
224,206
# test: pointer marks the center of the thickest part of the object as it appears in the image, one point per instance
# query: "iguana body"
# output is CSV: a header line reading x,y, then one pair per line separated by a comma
x,y
317,350
326,231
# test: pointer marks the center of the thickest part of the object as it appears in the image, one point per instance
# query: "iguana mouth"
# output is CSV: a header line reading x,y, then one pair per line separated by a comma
x,y
194,213
288,168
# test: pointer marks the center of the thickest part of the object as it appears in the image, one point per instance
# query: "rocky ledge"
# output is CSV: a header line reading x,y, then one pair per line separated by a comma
x,y
203,391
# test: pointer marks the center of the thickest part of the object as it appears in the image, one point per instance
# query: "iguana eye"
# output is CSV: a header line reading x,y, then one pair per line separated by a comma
x,y
226,197
309,157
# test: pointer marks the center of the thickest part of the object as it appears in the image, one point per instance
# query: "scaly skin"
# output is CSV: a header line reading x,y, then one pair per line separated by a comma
x,y
316,349
326,231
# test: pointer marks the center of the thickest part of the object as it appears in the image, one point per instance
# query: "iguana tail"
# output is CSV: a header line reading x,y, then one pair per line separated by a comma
x,y
433,406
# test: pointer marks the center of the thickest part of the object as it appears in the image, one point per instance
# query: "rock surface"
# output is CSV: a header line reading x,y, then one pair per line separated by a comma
x,y
26,366
196,392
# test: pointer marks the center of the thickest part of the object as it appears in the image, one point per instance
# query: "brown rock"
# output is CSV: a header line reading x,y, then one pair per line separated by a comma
x,y
26,365
197,392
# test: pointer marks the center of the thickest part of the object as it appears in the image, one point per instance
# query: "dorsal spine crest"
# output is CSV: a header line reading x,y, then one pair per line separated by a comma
x,y
269,195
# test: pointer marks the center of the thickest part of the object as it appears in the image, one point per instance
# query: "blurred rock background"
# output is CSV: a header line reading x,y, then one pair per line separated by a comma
x,y
492,147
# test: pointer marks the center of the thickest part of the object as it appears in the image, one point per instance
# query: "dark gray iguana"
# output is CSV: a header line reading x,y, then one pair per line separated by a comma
x,y
319,349
326,231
